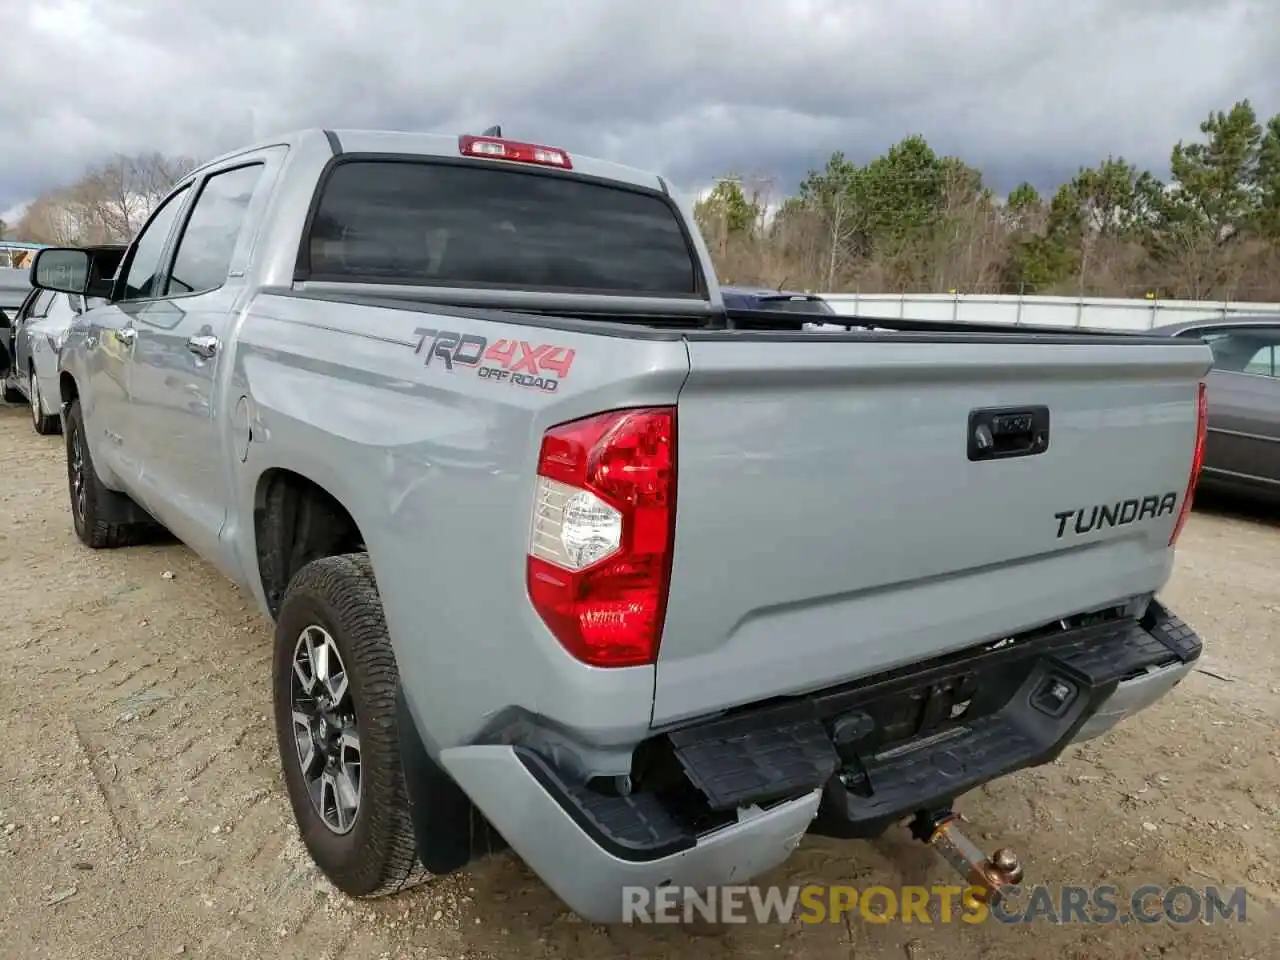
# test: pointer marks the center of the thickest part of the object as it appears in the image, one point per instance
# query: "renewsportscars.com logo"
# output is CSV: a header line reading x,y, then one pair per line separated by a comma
x,y
941,904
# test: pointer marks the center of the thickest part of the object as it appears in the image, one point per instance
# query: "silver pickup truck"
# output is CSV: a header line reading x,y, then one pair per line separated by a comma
x,y
565,555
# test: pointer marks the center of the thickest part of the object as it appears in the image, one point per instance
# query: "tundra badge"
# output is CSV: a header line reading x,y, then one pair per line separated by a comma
x,y
1118,514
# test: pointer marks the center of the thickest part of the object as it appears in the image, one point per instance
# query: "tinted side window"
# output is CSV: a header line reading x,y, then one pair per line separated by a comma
x,y
209,239
143,278
1253,350
464,225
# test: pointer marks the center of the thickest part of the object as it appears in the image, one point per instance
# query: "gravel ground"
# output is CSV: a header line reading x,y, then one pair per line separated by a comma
x,y
142,813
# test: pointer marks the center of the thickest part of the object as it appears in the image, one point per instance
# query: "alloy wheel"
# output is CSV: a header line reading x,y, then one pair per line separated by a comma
x,y
324,729
79,492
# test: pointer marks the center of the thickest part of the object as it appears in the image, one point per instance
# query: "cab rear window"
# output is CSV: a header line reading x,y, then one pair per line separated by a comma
x,y
443,224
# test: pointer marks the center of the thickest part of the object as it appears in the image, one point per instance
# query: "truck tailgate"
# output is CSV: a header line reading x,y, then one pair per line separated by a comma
x,y
830,522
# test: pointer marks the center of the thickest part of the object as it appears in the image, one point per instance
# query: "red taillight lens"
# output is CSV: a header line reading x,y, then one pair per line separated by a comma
x,y
497,149
603,523
1197,461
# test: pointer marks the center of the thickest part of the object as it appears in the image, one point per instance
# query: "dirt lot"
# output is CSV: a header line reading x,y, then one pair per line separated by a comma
x,y
142,812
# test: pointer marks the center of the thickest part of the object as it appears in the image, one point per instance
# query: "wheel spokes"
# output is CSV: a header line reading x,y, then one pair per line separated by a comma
x,y
306,743
339,799
331,673
324,729
304,662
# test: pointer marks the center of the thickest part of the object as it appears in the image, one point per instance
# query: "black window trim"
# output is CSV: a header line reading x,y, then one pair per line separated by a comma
x,y
170,255
48,304
194,184
126,262
302,272
20,315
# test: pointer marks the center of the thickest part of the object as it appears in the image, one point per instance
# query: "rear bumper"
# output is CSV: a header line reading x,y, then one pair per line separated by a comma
x,y
1133,696
583,862
762,777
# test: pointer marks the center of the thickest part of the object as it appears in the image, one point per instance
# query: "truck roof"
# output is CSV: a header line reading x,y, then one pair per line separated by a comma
x,y
432,145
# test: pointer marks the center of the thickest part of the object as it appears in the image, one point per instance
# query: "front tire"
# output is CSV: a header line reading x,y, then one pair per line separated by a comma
x,y
44,425
334,685
101,516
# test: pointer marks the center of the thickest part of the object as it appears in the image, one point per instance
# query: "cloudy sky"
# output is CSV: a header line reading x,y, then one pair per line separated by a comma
x,y
693,88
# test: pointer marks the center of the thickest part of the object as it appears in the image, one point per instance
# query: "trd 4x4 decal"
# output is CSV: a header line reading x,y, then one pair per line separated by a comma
x,y
517,362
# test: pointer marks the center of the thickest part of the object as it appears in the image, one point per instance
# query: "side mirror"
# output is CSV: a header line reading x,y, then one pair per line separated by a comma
x,y
61,269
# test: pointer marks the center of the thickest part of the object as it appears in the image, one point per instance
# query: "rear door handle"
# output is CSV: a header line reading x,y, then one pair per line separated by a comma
x,y
126,335
203,345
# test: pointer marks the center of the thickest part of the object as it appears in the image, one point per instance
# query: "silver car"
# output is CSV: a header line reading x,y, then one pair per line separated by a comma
x,y
30,345
38,330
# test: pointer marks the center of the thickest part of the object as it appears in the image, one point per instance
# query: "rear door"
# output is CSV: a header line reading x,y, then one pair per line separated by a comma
x,y
35,308
44,340
175,388
10,323
836,516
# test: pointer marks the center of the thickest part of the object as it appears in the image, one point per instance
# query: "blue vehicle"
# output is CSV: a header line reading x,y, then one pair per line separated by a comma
x,y
752,298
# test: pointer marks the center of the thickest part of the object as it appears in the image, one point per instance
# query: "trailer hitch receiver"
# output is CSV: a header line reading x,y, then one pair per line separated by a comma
x,y
940,830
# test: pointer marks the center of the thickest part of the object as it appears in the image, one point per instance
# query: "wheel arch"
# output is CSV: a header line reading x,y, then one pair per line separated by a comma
x,y
68,389
296,520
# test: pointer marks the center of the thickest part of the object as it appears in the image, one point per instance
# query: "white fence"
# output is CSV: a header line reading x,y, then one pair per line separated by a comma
x,y
1096,312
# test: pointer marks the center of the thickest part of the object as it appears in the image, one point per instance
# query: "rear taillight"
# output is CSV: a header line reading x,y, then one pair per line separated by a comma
x,y
498,149
1197,461
603,523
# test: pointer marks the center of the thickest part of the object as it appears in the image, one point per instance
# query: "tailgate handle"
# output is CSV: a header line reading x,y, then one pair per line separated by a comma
x,y
999,433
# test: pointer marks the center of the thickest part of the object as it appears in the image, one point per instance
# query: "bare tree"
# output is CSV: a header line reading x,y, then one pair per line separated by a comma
x,y
108,203
51,219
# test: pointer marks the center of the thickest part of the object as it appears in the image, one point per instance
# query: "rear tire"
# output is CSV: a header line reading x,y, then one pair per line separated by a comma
x,y
44,424
103,518
369,849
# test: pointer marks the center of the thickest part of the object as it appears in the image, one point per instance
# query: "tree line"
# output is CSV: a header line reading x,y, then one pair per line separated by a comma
x,y
107,204
912,220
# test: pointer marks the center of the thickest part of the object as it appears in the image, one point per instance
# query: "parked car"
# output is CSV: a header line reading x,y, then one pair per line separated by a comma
x,y
36,336
751,298
563,555
37,331
1242,450
15,285
6,349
